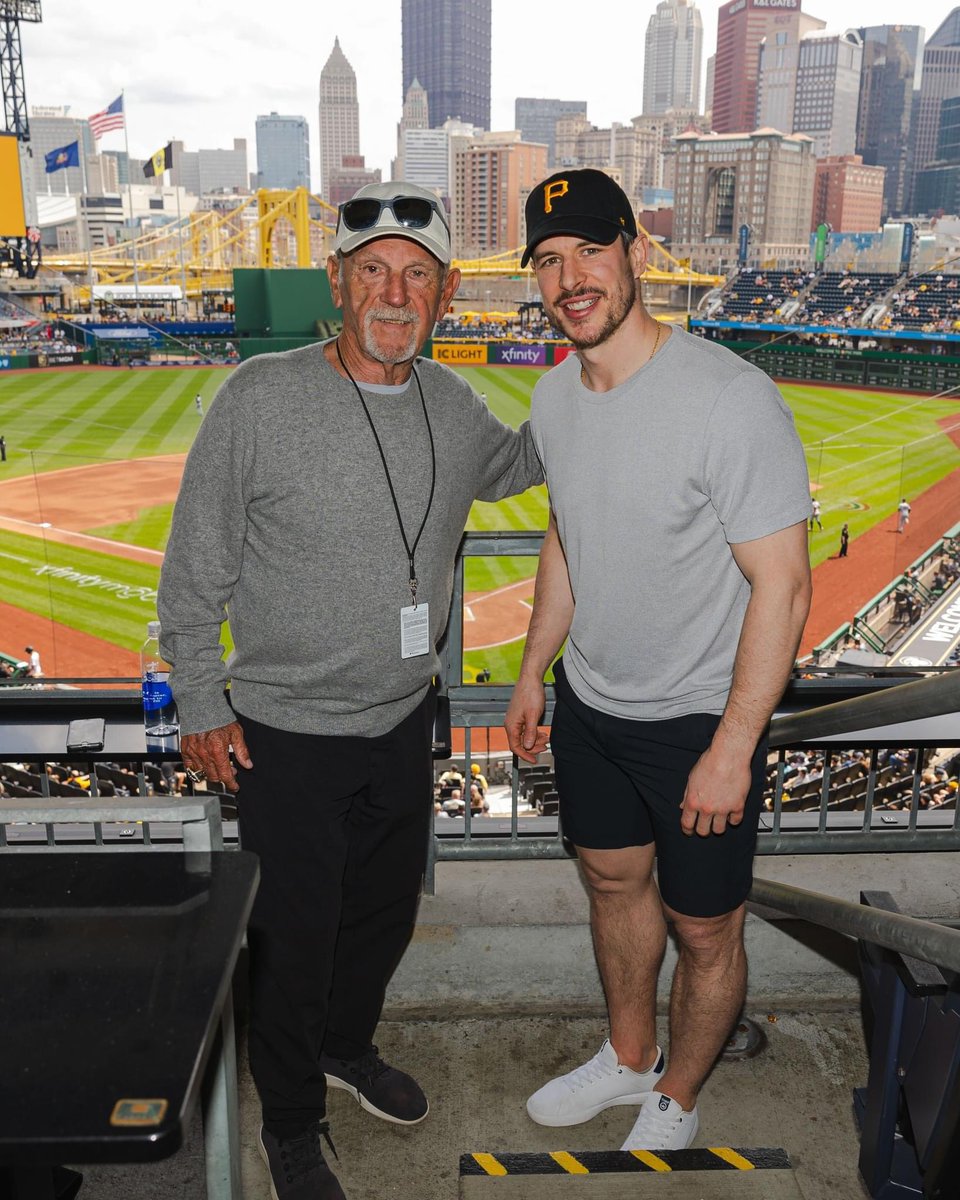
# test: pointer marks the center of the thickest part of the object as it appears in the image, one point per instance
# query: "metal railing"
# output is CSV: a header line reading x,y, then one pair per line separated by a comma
x,y
880,818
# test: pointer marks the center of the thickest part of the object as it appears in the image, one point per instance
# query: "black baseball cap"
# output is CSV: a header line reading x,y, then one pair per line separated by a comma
x,y
584,203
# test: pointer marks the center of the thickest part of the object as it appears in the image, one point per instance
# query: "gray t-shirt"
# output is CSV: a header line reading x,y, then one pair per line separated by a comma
x,y
651,483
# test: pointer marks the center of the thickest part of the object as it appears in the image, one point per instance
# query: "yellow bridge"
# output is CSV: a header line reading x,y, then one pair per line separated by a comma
x,y
272,229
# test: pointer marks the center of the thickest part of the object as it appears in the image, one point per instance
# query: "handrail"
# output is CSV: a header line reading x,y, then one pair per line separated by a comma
x,y
926,940
921,698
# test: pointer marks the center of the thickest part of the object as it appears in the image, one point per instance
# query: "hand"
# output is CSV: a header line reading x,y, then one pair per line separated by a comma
x,y
715,794
209,752
526,738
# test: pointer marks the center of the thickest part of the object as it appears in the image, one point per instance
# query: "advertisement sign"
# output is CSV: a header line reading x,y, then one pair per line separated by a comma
x,y
909,230
561,352
744,244
56,358
820,248
12,220
518,356
458,354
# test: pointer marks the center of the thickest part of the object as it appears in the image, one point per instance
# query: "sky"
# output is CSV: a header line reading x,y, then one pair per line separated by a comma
x,y
202,70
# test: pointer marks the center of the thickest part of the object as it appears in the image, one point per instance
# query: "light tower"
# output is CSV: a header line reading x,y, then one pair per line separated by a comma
x,y
12,12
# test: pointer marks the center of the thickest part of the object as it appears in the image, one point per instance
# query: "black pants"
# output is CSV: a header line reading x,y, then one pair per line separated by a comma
x,y
340,826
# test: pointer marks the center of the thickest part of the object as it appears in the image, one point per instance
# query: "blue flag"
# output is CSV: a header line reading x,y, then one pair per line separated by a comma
x,y
63,156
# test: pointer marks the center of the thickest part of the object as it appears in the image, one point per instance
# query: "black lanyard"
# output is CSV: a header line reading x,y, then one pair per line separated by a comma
x,y
411,550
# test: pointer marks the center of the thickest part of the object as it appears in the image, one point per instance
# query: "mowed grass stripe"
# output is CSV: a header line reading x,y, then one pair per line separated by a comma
x,y
117,614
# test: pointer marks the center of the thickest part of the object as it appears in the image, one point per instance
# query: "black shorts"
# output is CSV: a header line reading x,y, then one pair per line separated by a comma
x,y
621,783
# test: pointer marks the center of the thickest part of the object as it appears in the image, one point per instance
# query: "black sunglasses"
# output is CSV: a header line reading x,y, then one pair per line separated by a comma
x,y
412,212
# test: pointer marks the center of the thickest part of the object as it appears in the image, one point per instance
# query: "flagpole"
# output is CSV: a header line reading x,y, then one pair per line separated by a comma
x,y
133,244
86,216
183,269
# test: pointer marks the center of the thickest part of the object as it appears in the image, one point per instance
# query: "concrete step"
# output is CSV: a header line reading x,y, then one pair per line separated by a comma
x,y
720,1172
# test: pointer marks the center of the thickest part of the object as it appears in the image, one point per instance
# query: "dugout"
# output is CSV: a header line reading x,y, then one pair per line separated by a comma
x,y
282,309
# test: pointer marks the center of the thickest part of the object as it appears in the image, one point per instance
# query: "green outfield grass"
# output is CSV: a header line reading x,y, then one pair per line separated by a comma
x,y
864,451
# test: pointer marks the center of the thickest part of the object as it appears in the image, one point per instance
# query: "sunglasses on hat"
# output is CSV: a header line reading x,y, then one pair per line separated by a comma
x,y
411,212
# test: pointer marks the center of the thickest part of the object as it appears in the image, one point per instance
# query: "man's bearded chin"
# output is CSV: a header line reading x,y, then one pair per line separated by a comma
x,y
401,319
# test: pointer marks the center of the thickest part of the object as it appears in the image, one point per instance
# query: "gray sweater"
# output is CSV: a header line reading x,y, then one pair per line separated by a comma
x,y
285,520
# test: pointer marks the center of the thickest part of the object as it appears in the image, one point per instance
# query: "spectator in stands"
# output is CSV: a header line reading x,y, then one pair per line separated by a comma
x,y
739,522
478,779
844,540
903,515
324,500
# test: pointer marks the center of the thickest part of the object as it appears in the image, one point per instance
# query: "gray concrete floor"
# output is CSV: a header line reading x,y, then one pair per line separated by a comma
x,y
796,1094
498,992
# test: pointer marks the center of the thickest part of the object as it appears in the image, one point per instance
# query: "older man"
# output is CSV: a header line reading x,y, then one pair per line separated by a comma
x,y
674,472
322,505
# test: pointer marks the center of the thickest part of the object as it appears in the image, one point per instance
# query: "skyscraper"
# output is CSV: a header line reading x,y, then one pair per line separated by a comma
x,y
812,86
537,120
672,59
741,26
446,45
940,81
891,76
339,117
415,116
283,152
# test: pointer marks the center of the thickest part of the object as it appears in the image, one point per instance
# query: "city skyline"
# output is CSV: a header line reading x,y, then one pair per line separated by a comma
x,y
203,77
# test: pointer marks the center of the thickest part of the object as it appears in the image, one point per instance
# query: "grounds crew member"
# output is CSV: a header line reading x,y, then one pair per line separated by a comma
x,y
675,565
321,507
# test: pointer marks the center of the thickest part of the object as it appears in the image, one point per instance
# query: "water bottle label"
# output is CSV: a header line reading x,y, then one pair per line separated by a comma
x,y
156,693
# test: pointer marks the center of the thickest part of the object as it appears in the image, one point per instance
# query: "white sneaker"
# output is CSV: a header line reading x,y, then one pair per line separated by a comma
x,y
600,1083
662,1125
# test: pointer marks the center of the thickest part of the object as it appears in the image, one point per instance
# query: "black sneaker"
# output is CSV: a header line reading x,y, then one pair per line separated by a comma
x,y
380,1089
297,1167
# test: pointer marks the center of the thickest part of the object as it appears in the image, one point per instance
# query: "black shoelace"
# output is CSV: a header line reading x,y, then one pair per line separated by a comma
x,y
299,1155
370,1065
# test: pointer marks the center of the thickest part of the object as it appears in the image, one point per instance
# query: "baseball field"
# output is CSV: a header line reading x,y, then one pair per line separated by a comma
x,y
94,459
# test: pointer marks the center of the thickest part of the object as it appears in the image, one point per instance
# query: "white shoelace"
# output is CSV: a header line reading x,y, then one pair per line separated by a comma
x,y
589,1073
656,1124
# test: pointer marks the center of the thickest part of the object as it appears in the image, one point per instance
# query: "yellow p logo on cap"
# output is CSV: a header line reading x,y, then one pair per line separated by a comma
x,y
553,191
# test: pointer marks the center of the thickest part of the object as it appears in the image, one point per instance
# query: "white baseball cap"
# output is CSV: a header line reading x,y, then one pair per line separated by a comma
x,y
394,209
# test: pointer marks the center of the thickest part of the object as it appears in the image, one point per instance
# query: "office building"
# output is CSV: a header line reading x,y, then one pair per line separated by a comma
x,y
631,154
847,194
51,127
673,58
415,116
889,81
350,176
283,152
202,172
493,174
816,91
446,46
339,117
940,81
742,26
937,185
536,119
762,179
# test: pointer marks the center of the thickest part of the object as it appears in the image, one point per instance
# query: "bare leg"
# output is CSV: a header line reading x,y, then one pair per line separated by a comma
x,y
709,987
629,937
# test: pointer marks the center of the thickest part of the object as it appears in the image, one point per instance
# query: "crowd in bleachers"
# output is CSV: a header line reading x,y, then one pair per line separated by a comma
x,y
841,297
848,783
470,328
32,780
759,295
928,302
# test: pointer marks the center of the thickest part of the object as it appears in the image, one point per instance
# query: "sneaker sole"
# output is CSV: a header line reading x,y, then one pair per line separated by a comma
x,y
635,1098
336,1082
266,1163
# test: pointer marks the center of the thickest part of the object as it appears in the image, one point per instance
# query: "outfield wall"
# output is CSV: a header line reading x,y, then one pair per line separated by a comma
x,y
919,372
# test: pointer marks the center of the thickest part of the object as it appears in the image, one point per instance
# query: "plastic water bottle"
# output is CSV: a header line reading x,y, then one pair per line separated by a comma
x,y
159,709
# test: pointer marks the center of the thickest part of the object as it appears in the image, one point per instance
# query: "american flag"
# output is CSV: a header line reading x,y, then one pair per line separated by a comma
x,y
110,118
